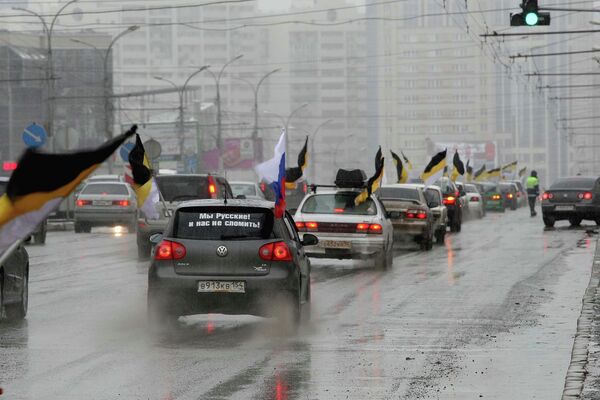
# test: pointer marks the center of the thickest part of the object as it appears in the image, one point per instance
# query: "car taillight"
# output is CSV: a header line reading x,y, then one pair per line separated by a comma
x,y
278,251
416,214
338,210
263,186
547,196
305,187
167,250
475,199
301,226
510,195
81,203
362,227
212,187
449,200
585,195
311,226
375,228
122,203
495,197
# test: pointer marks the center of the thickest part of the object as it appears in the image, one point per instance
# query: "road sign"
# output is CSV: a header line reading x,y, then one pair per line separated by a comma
x,y
191,164
153,149
34,136
124,152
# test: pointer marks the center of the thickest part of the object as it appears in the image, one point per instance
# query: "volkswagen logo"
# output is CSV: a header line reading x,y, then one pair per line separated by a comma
x,y
222,251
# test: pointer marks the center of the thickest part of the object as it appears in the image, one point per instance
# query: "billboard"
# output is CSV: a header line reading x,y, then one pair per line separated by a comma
x,y
483,152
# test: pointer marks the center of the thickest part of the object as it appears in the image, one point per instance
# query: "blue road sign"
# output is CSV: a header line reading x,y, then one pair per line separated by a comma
x,y
34,136
124,152
191,164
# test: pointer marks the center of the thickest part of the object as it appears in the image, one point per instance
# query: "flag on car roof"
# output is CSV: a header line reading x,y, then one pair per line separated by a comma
x,y
273,172
293,174
509,170
494,173
407,162
459,167
400,169
481,174
469,171
143,183
41,181
373,183
435,169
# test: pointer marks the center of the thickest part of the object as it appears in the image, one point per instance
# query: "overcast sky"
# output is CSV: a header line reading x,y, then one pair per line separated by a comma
x,y
274,4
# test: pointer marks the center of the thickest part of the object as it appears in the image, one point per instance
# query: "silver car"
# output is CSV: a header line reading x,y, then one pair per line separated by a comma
x,y
344,230
105,204
250,190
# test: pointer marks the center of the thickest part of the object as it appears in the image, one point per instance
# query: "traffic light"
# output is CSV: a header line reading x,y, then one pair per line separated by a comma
x,y
531,16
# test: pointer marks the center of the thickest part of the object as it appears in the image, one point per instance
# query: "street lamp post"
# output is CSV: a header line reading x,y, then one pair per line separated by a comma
x,y
287,123
48,30
217,79
312,149
107,89
181,92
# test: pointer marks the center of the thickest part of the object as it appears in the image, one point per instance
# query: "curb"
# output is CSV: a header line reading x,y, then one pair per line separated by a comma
x,y
577,370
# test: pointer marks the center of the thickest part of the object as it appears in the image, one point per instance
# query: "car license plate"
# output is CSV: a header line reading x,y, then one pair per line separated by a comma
x,y
564,208
222,286
335,244
102,202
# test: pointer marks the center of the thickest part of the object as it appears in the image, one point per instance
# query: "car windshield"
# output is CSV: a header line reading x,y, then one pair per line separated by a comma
x,y
398,193
181,188
223,223
338,203
574,183
245,189
105,188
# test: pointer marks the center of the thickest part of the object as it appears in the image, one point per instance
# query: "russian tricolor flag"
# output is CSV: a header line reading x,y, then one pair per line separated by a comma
x,y
273,172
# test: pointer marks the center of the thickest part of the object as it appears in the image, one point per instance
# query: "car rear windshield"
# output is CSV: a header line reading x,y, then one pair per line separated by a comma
x,y
181,188
574,183
338,203
398,193
470,188
105,188
244,189
506,187
223,223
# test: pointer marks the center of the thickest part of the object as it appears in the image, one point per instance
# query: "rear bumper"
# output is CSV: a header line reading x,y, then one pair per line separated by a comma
x,y
360,248
586,211
410,228
105,216
494,205
180,292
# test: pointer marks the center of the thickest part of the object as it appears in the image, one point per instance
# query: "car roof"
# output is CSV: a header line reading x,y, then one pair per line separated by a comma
x,y
106,183
230,203
243,183
404,185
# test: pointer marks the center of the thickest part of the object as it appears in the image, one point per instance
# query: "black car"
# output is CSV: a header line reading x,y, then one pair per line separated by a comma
x,y
175,189
575,199
453,202
14,285
229,257
509,193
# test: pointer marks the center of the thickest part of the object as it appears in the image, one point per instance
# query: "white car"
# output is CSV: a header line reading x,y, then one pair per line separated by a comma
x,y
475,201
344,230
435,202
249,190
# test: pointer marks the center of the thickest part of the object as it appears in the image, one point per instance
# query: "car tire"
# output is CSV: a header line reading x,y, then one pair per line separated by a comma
x,y
77,227
440,235
18,311
575,221
548,221
86,227
426,243
40,237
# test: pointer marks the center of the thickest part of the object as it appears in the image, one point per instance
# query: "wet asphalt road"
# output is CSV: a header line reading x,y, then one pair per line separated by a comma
x,y
490,314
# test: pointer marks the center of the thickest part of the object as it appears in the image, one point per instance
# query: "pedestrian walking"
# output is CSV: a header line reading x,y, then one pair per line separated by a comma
x,y
533,191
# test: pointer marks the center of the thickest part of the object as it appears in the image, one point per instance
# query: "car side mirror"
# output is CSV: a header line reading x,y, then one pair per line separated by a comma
x,y
156,238
241,197
309,240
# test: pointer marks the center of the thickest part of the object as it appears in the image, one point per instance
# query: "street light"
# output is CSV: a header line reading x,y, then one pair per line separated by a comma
x,y
181,92
287,123
50,64
108,115
217,79
312,149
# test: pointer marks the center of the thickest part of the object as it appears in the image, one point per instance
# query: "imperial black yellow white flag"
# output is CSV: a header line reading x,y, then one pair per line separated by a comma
x,y
407,162
523,172
509,170
481,174
293,174
459,167
435,169
400,169
144,184
41,181
494,173
469,171
373,183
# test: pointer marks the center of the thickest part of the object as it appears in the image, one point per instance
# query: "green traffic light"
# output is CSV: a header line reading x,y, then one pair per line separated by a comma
x,y
532,19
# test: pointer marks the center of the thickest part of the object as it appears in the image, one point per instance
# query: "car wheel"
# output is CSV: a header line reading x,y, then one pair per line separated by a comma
x,y
548,221
40,237
383,260
575,221
18,311
86,228
160,318
426,243
77,226
440,235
